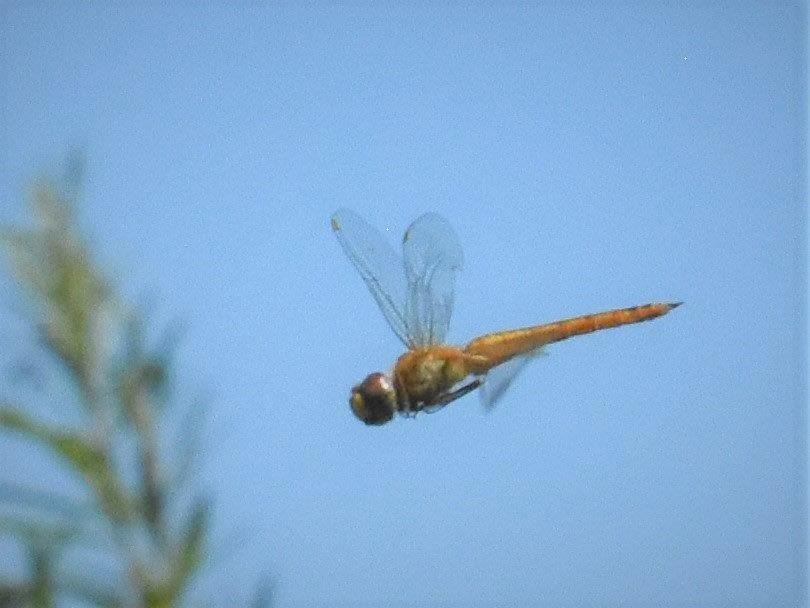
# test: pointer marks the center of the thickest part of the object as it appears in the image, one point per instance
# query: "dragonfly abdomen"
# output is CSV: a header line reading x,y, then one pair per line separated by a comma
x,y
493,349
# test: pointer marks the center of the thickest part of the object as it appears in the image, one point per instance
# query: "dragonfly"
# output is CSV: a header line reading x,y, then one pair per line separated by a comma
x,y
415,292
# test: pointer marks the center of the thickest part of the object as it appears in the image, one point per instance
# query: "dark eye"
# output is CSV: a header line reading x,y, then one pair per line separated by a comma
x,y
379,410
374,400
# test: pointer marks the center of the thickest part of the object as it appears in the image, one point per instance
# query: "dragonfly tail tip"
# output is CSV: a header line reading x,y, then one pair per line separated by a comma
x,y
674,305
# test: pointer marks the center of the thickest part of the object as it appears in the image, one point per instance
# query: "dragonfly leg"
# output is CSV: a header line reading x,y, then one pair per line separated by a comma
x,y
458,393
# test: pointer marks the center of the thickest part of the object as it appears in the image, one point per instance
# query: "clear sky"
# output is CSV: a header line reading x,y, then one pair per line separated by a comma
x,y
589,157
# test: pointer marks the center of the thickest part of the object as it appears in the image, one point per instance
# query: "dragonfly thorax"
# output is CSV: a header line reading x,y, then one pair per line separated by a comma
x,y
374,400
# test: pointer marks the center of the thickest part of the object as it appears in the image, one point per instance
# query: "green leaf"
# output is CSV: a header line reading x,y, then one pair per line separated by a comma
x,y
38,532
14,595
144,372
188,553
42,588
86,458
190,548
52,212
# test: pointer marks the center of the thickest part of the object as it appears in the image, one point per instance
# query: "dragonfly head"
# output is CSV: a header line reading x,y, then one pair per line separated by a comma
x,y
374,400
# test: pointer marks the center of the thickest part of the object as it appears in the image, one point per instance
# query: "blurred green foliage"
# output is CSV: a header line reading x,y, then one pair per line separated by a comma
x,y
135,515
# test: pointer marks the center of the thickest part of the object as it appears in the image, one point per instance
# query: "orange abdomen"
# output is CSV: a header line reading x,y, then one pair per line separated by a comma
x,y
485,352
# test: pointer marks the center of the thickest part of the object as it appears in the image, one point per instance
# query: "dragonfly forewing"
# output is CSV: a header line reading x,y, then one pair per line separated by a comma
x,y
433,257
380,267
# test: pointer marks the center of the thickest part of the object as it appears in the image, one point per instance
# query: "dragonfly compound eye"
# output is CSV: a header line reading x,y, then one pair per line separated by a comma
x,y
374,400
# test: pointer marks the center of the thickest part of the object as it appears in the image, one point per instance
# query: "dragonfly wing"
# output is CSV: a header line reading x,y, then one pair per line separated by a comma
x,y
501,377
433,256
379,265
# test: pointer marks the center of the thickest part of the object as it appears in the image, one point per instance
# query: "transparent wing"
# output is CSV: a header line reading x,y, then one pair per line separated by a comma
x,y
500,378
379,265
433,256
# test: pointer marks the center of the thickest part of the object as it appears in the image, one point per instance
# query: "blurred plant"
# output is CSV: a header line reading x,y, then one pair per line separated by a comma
x,y
137,515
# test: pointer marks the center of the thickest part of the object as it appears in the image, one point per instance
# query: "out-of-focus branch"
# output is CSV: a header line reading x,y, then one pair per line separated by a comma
x,y
75,302
121,387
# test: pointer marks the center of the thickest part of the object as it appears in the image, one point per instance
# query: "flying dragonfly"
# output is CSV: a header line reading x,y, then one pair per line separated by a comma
x,y
415,292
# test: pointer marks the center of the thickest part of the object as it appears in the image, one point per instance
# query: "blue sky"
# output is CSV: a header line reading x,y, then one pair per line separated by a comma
x,y
589,157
